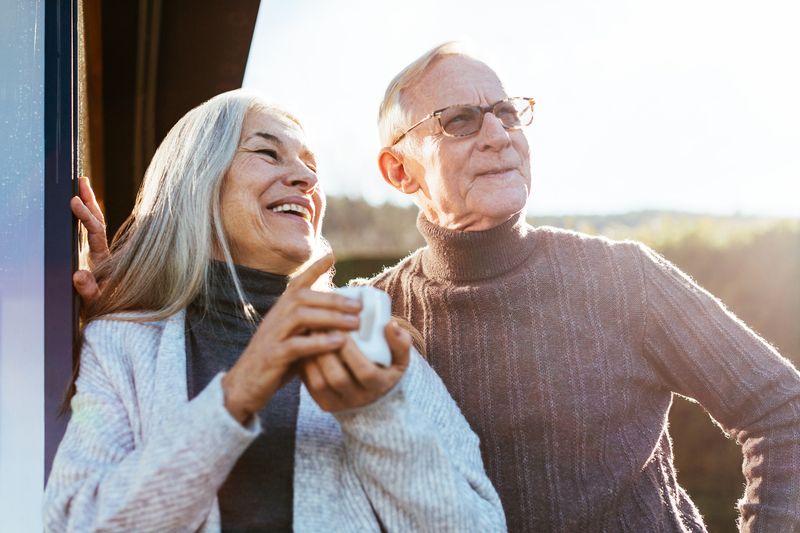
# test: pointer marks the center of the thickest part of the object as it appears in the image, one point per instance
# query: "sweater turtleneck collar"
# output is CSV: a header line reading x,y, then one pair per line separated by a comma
x,y
261,290
474,255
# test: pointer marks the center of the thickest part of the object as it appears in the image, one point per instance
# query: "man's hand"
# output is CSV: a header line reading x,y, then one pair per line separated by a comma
x,y
347,379
87,210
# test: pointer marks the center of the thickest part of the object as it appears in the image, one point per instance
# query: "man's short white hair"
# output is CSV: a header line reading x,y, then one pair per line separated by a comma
x,y
393,116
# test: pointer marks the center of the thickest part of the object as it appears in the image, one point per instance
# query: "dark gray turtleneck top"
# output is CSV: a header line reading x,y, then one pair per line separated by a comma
x,y
257,495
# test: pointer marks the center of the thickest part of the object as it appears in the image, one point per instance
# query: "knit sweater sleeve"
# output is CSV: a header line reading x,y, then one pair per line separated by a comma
x,y
704,352
106,478
418,460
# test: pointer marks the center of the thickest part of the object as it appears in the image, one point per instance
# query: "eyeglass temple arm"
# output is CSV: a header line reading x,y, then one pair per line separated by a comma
x,y
426,117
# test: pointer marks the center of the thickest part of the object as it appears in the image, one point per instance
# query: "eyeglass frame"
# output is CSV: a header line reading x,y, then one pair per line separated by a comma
x,y
484,109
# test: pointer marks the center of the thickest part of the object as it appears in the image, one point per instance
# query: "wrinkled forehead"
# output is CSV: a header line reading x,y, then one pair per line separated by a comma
x,y
261,119
453,80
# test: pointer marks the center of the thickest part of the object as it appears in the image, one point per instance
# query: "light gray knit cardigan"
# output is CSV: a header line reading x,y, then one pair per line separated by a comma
x,y
138,456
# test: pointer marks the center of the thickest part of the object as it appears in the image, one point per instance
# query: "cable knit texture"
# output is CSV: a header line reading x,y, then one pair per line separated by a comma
x,y
564,352
138,456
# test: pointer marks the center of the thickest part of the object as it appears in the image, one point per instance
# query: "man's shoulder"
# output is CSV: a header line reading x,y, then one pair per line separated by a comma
x,y
579,254
585,243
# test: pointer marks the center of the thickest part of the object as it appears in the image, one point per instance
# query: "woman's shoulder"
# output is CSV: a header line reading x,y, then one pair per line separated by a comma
x,y
134,321
125,331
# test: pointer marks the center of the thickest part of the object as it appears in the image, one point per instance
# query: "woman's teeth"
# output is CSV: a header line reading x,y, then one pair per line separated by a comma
x,y
294,209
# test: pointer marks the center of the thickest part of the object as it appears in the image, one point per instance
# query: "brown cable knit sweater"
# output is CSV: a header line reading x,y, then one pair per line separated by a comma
x,y
564,351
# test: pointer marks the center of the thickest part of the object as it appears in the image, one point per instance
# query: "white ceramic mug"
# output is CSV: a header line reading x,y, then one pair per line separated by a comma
x,y
376,311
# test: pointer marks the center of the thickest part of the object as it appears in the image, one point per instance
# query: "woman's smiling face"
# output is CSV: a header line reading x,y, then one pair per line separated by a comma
x,y
271,202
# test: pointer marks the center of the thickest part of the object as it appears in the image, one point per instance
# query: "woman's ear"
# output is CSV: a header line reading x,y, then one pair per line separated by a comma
x,y
393,169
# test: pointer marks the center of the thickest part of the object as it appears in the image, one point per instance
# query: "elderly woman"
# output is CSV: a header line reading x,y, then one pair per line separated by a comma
x,y
218,390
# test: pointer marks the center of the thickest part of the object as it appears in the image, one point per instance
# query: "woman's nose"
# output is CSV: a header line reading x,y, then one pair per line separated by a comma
x,y
303,177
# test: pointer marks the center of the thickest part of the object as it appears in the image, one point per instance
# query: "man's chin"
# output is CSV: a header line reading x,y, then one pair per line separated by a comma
x,y
494,215
503,203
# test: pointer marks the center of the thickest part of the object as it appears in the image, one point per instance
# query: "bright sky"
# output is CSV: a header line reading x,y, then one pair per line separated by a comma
x,y
690,104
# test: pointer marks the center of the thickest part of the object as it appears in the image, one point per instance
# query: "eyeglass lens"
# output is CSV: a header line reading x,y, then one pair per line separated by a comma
x,y
466,120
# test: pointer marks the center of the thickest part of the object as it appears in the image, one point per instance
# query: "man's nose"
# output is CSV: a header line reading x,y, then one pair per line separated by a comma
x,y
303,178
492,135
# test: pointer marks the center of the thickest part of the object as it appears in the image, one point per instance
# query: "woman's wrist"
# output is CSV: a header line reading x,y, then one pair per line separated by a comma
x,y
234,403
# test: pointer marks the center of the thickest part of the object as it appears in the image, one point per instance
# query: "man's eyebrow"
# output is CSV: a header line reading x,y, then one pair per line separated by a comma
x,y
268,136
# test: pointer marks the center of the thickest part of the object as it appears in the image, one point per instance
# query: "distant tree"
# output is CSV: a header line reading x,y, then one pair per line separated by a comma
x,y
357,229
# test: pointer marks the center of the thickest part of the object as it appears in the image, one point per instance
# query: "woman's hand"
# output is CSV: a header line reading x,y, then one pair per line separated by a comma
x,y
283,338
87,210
347,379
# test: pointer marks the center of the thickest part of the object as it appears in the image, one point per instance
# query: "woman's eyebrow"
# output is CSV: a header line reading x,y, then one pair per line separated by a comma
x,y
308,154
268,137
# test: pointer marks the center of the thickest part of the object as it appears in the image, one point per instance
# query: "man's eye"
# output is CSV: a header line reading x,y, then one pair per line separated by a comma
x,y
461,117
459,120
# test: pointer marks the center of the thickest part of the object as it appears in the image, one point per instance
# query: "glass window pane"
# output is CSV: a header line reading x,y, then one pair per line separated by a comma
x,y
22,266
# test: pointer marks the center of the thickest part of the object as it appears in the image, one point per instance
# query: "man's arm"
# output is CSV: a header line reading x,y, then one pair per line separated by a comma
x,y
704,352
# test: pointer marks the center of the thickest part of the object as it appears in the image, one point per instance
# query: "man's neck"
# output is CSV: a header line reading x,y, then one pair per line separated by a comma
x,y
454,255
469,222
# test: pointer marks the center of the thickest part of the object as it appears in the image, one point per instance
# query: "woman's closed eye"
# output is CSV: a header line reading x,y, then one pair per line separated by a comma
x,y
269,152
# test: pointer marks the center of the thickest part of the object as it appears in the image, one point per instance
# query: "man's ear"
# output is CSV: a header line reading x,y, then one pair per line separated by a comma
x,y
393,169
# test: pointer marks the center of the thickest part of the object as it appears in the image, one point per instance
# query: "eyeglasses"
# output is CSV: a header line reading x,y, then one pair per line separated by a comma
x,y
463,120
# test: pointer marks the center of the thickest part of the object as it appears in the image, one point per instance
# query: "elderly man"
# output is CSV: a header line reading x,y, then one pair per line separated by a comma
x,y
564,350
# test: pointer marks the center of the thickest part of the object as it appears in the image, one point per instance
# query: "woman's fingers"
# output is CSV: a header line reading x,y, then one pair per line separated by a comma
x,y
85,215
85,285
307,278
314,381
312,377
399,341
89,199
337,377
95,228
328,300
301,346
304,319
365,372
331,385
347,379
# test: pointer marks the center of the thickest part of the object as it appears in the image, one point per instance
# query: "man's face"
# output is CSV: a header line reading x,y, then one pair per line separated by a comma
x,y
466,183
